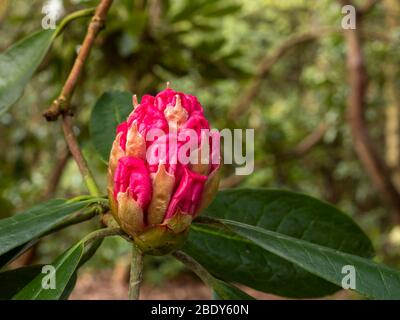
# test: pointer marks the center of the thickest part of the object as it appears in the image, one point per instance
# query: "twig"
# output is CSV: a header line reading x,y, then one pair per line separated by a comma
x,y
56,174
305,145
197,268
136,273
231,181
77,14
234,180
193,265
101,233
78,157
62,103
266,65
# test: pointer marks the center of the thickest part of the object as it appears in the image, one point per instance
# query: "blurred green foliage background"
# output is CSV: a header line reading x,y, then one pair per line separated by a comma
x,y
213,49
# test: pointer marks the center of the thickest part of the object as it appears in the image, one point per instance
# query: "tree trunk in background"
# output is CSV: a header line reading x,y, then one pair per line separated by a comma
x,y
368,155
392,91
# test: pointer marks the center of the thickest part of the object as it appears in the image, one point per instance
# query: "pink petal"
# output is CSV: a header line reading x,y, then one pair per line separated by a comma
x,y
132,175
188,194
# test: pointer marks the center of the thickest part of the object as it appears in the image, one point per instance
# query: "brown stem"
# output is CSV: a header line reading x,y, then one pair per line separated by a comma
x,y
231,181
56,174
101,233
62,103
136,273
193,265
368,155
234,180
78,157
305,145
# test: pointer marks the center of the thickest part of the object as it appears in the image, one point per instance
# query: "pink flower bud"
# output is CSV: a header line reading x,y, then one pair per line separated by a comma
x,y
163,169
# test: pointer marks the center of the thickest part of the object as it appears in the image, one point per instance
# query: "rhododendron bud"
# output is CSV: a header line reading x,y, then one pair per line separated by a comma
x,y
163,169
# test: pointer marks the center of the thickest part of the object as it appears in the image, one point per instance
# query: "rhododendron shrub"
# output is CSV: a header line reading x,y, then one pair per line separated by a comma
x,y
158,188
163,172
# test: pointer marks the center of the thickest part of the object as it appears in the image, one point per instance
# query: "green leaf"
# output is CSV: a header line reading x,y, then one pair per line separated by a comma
x,y
69,287
294,214
234,259
372,280
18,63
13,281
206,27
111,109
215,296
87,255
225,291
219,11
220,289
65,267
210,46
189,10
90,251
23,227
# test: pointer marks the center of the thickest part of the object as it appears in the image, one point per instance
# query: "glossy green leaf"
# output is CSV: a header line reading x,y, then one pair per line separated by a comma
x,y
13,281
225,291
111,109
87,255
65,267
294,214
232,258
18,63
69,287
23,227
215,296
372,280
220,289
